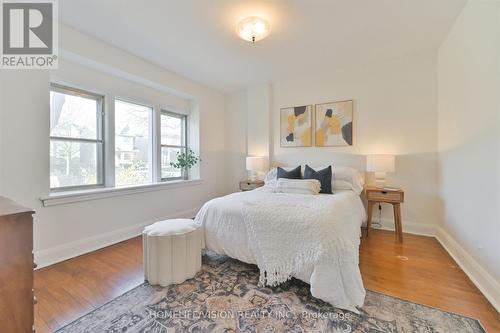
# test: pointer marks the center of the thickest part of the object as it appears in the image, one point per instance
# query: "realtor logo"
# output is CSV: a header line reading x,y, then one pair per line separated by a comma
x,y
29,34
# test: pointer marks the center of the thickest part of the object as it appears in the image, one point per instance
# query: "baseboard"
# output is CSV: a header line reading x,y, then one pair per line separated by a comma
x,y
476,273
410,227
70,250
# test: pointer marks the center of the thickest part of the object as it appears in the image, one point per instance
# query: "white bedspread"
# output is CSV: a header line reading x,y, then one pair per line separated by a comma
x,y
336,280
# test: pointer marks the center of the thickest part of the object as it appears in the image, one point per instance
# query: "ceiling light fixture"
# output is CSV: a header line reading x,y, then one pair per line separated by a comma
x,y
253,29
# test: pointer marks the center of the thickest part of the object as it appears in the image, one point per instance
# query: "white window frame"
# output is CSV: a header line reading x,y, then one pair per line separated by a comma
x,y
100,158
184,147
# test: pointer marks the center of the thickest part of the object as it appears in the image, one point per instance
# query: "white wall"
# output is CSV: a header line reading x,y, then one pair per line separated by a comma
x,y
259,120
395,112
67,230
469,140
236,139
248,130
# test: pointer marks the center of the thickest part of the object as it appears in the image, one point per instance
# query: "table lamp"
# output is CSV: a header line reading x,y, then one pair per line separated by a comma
x,y
381,165
254,165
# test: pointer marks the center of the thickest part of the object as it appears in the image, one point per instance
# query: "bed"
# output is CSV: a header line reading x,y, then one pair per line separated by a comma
x,y
336,279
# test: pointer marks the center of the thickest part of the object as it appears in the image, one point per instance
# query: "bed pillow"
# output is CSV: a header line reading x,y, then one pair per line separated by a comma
x,y
343,185
342,174
292,174
324,176
343,178
270,179
346,178
298,186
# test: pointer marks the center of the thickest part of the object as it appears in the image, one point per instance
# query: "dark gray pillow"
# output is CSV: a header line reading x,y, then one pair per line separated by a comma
x,y
324,176
292,174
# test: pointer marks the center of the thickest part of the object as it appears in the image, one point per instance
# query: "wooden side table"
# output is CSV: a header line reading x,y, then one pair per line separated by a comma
x,y
248,185
395,197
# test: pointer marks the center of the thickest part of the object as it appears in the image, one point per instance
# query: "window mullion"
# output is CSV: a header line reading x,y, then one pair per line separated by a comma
x,y
109,141
156,145
173,146
63,138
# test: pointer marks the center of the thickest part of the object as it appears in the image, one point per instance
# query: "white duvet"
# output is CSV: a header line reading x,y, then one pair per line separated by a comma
x,y
336,280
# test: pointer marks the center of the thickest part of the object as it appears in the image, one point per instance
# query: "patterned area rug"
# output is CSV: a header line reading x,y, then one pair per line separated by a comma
x,y
224,297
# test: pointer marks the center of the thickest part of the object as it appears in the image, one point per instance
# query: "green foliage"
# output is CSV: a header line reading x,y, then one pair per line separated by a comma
x,y
186,160
136,173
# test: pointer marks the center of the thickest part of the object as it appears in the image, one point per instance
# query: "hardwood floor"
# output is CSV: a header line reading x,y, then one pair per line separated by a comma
x,y
70,289
419,270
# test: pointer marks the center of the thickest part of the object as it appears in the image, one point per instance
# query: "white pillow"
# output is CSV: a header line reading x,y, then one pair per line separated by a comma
x,y
298,186
271,176
343,185
354,177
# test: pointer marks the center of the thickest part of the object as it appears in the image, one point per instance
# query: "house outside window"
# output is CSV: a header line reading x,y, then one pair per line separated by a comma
x,y
173,142
133,143
76,139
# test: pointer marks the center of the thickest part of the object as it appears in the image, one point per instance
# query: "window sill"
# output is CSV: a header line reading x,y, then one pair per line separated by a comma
x,y
63,198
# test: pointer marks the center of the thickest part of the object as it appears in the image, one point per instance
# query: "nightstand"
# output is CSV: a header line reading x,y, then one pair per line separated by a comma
x,y
248,185
394,197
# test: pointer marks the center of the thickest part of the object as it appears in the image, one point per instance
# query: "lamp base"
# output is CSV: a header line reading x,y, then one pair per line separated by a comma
x,y
253,176
380,180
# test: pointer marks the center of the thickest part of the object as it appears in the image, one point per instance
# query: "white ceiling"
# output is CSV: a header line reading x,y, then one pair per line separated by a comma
x,y
196,38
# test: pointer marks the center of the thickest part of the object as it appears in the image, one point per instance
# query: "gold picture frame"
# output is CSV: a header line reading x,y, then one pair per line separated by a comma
x,y
333,124
296,126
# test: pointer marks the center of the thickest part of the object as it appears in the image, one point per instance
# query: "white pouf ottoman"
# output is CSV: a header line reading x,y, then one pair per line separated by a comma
x,y
172,251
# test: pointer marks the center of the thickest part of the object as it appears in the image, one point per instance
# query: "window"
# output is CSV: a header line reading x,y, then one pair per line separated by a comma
x,y
133,143
173,141
146,140
76,139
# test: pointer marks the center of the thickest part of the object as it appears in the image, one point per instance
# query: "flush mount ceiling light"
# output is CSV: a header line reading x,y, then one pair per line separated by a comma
x,y
253,29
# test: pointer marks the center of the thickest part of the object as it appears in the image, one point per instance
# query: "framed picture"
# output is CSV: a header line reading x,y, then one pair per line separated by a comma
x,y
333,124
296,126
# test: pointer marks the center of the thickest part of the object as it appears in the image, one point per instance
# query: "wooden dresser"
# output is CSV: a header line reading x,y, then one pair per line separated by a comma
x,y
16,268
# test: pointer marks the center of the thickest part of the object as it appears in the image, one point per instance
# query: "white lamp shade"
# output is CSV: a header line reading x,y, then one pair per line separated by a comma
x,y
380,163
255,163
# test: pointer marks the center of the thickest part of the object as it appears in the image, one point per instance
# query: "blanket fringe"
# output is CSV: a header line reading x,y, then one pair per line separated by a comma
x,y
274,275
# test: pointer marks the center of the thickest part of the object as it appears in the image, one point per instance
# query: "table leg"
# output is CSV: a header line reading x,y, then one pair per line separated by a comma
x,y
396,227
369,221
397,221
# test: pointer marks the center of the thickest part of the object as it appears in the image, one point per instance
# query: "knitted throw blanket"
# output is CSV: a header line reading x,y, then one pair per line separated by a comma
x,y
289,232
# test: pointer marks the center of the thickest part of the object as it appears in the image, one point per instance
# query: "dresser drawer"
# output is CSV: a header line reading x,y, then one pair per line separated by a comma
x,y
385,196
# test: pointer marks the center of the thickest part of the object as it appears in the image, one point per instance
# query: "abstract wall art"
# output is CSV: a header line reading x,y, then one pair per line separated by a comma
x,y
296,126
333,124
